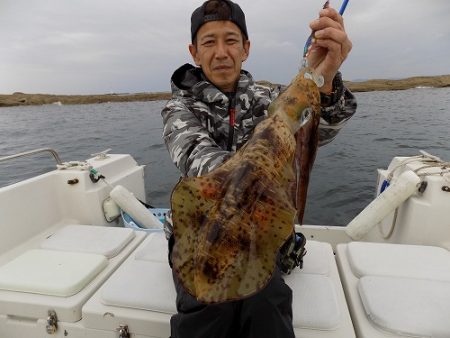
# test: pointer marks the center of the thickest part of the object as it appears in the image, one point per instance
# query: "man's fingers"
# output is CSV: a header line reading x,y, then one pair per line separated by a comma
x,y
330,46
340,50
325,22
332,14
332,34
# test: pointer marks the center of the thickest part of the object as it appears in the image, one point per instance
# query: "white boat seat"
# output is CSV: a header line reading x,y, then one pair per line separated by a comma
x,y
50,273
34,280
144,282
396,290
315,303
153,289
142,285
311,283
412,307
319,258
106,241
155,249
413,261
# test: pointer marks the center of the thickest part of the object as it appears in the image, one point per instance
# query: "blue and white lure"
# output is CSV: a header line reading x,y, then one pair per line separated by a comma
x,y
318,79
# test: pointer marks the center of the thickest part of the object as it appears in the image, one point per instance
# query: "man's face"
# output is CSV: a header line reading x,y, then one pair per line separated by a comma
x,y
220,51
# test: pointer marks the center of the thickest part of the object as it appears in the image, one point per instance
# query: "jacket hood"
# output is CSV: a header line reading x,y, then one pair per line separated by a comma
x,y
187,76
189,80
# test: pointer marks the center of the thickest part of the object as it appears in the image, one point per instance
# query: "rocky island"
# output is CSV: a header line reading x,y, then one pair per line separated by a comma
x,y
21,99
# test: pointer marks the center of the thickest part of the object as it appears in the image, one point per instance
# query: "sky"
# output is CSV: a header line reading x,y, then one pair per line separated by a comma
x,y
111,46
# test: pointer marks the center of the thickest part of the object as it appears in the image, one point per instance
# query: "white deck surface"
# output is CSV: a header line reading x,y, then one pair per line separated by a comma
x,y
31,306
51,273
141,294
396,290
89,239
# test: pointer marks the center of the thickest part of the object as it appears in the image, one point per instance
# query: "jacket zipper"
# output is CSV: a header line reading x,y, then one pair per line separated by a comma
x,y
232,119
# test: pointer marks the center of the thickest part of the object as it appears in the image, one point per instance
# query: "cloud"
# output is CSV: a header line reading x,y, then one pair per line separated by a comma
x,y
63,46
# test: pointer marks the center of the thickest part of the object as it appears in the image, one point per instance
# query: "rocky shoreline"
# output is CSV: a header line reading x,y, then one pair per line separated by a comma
x,y
22,99
402,84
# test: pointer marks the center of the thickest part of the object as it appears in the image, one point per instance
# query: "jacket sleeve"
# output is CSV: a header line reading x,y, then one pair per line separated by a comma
x,y
190,146
334,118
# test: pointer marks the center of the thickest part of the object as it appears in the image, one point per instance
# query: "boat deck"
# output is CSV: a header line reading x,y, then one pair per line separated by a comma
x,y
368,290
63,262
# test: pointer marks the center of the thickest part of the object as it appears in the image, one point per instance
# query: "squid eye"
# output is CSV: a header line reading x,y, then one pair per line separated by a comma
x,y
305,116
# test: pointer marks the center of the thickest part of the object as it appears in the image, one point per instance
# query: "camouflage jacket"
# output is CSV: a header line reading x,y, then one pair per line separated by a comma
x,y
204,126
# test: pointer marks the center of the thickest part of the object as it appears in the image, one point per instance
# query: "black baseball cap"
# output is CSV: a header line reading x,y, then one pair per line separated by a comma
x,y
199,17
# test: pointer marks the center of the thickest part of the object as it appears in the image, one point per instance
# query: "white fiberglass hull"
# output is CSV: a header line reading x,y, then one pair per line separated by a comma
x,y
132,293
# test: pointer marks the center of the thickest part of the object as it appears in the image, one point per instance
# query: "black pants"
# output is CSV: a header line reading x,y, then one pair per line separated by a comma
x,y
268,314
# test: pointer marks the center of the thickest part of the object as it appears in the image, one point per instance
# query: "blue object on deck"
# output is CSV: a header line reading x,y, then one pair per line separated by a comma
x,y
384,185
159,213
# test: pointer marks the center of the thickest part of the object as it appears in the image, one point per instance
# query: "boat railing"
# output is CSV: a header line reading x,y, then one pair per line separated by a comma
x,y
33,152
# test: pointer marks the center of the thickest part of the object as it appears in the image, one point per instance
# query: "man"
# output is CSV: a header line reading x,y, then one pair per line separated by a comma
x,y
213,112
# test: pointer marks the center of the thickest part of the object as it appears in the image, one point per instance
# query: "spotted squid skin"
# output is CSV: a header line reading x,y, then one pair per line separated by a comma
x,y
230,224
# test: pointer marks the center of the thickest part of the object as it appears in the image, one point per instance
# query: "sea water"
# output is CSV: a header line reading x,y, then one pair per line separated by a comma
x,y
387,124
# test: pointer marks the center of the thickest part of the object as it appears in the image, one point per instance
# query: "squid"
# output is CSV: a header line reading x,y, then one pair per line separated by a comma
x,y
230,224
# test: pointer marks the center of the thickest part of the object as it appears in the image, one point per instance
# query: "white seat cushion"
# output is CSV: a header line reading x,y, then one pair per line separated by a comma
x,y
423,262
413,307
314,293
148,285
52,273
142,293
315,304
318,259
141,284
106,241
154,248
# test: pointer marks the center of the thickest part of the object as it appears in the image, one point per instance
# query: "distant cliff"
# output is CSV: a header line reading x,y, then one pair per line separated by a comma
x,y
384,84
21,99
411,82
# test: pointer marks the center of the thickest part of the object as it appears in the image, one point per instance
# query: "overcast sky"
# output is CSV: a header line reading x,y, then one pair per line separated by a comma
x,y
105,46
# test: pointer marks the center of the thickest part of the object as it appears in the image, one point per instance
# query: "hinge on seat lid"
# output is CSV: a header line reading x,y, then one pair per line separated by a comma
x,y
52,322
123,331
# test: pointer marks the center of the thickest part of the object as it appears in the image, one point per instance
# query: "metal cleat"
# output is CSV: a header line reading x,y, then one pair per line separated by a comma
x,y
123,331
52,322
101,155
